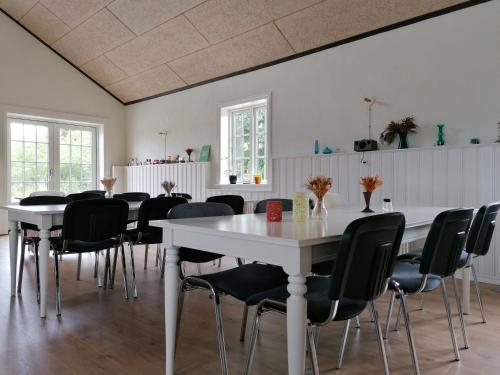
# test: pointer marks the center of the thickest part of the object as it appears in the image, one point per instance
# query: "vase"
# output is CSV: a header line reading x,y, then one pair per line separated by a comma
x,y
367,196
108,194
403,140
440,135
233,179
319,209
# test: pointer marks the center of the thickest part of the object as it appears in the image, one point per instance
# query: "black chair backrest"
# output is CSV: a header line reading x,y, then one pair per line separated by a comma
x,y
132,196
366,257
41,200
94,220
156,209
100,192
445,242
200,209
481,229
260,207
235,201
182,195
84,196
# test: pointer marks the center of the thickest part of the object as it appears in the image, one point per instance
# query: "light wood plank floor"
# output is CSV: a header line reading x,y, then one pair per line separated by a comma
x,y
101,333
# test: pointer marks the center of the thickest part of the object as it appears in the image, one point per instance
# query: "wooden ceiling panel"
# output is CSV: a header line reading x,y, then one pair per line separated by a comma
x,y
44,24
142,16
74,12
97,35
103,71
17,8
167,42
250,49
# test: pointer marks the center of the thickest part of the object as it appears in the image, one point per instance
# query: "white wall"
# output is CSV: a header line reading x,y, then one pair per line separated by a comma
x,y
34,79
445,69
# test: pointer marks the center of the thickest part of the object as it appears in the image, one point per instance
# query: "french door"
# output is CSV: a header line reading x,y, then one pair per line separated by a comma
x,y
50,155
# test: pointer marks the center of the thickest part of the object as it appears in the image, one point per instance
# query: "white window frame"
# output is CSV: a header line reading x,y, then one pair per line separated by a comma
x,y
225,145
58,121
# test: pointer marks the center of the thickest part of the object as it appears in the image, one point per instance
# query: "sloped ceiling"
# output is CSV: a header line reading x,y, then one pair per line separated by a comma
x,y
140,48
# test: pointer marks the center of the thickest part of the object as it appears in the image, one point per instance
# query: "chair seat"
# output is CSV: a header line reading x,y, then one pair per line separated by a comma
x,y
197,256
323,268
152,235
83,246
243,281
408,276
318,303
464,261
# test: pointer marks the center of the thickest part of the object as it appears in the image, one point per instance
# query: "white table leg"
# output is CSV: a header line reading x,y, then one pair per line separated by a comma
x,y
13,256
296,324
171,306
466,290
43,258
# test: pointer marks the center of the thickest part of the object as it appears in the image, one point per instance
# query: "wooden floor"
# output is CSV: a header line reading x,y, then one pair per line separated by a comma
x,y
101,333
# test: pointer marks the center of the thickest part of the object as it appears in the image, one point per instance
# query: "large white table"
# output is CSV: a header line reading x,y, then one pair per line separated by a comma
x,y
44,216
294,246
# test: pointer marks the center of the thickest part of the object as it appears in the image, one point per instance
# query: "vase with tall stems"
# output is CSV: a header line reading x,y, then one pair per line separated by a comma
x,y
168,186
108,183
319,186
369,184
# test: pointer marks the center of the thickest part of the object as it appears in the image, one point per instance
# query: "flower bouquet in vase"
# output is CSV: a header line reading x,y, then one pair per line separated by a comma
x,y
108,183
369,184
168,186
319,186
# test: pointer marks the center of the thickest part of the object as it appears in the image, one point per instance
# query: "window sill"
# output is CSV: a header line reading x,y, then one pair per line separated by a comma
x,y
243,187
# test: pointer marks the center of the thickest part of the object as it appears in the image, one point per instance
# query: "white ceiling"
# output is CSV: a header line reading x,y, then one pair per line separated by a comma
x,y
140,48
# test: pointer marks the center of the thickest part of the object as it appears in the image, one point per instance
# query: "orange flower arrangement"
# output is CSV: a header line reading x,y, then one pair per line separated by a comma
x,y
370,183
319,185
108,183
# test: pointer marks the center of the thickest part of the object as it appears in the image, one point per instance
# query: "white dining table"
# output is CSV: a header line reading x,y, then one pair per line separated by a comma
x,y
43,216
294,246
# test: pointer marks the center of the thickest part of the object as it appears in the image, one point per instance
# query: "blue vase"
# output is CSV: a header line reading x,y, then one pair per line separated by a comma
x,y
316,147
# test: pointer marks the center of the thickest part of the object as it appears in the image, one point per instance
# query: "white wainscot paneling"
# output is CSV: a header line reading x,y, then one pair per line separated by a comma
x,y
452,176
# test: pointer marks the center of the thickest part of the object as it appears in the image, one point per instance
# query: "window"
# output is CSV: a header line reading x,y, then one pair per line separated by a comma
x,y
48,154
244,141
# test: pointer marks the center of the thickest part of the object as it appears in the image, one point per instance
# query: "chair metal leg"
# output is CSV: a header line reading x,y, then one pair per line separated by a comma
x,y
79,267
311,346
113,270
253,341
460,312
37,275
244,323
132,265
58,285
220,263
358,324
478,291
21,266
198,268
162,265
343,342
422,302
409,332
316,337
107,270
124,269
146,257
389,315
158,254
220,335
96,265
398,319
450,321
380,339
97,270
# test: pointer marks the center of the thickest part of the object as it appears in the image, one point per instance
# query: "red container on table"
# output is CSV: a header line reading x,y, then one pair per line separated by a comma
x,y
274,210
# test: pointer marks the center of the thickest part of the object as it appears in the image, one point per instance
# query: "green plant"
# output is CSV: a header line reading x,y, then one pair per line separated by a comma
x,y
404,126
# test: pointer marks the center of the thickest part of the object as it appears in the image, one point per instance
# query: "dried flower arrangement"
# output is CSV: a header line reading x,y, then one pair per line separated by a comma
x,y
319,185
168,186
404,126
108,183
370,183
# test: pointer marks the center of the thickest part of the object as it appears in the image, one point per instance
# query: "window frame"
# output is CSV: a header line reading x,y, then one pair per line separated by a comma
x,y
225,112
54,125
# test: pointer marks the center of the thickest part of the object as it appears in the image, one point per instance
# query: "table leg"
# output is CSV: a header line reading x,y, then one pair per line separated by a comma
x,y
296,324
171,306
43,259
13,256
466,290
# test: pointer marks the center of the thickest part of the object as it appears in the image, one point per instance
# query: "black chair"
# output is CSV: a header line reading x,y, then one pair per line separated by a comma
x,y
182,195
84,196
34,240
235,201
91,226
132,196
365,260
239,282
440,259
144,234
477,244
260,207
100,192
